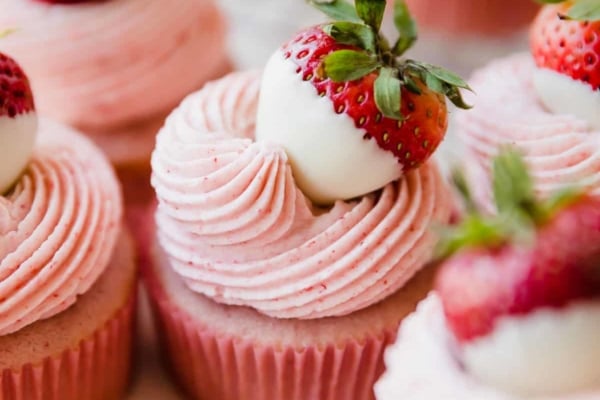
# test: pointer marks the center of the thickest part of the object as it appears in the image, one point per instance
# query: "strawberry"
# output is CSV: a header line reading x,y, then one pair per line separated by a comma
x,y
69,1
565,38
398,104
412,138
494,275
15,92
18,121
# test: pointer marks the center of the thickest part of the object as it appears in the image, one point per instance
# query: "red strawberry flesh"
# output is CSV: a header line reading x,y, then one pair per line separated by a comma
x,y
15,91
569,47
412,140
480,285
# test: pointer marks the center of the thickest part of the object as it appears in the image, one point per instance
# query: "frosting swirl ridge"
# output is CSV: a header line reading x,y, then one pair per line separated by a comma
x,y
236,227
58,227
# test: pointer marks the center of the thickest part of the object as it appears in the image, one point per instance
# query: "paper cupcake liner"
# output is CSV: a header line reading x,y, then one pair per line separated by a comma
x,y
217,366
98,369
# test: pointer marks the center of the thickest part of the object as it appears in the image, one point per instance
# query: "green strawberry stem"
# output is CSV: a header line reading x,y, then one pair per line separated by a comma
x,y
359,26
580,10
519,212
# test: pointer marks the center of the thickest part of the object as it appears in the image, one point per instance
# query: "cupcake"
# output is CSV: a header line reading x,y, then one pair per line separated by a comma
x,y
516,308
545,103
67,268
294,215
115,69
466,33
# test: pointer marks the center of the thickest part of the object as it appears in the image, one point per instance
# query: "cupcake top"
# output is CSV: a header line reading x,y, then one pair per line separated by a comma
x,y
516,309
58,227
96,64
237,228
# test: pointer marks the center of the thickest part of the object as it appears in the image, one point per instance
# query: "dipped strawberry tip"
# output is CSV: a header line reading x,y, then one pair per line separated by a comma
x,y
351,115
18,122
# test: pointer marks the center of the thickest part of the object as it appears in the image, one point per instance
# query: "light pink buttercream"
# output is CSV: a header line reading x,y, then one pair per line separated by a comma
x,y
58,227
560,149
237,228
103,63
421,364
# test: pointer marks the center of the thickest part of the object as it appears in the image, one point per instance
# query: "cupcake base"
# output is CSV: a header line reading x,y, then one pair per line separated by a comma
x,y
221,352
82,353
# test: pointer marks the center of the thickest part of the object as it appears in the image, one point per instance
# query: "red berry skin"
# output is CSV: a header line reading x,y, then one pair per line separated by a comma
x,y
15,91
480,285
412,141
569,47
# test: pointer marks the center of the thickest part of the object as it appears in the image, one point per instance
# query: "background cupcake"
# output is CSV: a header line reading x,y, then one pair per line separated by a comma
x,y
114,69
544,102
515,302
67,266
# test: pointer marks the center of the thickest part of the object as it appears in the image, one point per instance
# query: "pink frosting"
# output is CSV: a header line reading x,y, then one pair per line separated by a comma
x,y
58,227
421,366
237,228
107,62
560,148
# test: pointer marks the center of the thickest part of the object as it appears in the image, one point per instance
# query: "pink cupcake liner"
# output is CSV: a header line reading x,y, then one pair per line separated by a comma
x,y
217,366
97,369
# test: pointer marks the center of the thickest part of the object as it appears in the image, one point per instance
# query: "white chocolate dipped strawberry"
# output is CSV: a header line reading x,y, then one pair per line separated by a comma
x,y
565,44
521,290
351,115
18,122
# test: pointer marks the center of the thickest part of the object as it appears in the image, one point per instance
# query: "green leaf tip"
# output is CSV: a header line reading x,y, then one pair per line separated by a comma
x,y
337,10
349,65
387,91
371,12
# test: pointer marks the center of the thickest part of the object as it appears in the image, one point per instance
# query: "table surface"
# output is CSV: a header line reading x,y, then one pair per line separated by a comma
x,y
257,28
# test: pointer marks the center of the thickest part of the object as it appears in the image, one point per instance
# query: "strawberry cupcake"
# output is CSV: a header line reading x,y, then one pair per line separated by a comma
x,y
546,103
294,214
67,268
114,69
516,310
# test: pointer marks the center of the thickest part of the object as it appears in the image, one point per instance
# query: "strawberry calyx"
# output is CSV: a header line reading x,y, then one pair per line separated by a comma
x,y
519,213
578,10
358,27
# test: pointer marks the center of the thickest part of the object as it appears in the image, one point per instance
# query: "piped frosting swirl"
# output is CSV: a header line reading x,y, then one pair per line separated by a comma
x,y
560,149
236,227
58,227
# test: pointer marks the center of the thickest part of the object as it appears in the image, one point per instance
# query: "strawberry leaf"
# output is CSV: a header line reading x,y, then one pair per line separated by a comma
x,y
512,184
453,94
387,90
411,84
460,183
585,10
349,65
338,10
353,34
473,231
406,26
446,76
433,83
371,11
